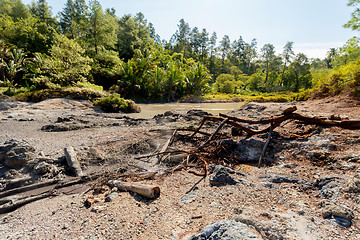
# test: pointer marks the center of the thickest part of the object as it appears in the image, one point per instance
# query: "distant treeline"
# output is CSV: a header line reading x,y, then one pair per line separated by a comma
x,y
87,44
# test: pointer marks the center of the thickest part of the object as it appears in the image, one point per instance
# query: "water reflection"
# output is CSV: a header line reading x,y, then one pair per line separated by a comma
x,y
150,110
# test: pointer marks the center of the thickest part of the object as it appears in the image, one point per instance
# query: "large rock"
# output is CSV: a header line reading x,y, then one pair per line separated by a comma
x,y
225,230
340,213
16,153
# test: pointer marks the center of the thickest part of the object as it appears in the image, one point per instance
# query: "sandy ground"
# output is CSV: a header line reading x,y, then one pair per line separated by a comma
x,y
283,200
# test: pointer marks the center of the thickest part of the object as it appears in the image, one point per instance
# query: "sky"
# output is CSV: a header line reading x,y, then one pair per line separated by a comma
x,y
314,26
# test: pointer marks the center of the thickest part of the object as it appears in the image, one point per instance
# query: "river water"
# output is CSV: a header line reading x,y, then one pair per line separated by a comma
x,y
150,110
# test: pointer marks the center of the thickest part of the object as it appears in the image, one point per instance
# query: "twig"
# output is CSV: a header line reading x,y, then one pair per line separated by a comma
x,y
213,135
265,146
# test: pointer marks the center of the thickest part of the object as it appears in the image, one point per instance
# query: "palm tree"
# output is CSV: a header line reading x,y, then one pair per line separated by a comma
x,y
196,78
14,65
4,52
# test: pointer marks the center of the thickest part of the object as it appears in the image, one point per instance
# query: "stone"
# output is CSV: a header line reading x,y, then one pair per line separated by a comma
x,y
16,153
111,196
342,222
330,210
42,168
221,176
225,230
72,161
275,178
354,185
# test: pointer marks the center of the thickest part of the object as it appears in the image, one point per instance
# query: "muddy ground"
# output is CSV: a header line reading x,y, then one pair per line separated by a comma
x,y
308,188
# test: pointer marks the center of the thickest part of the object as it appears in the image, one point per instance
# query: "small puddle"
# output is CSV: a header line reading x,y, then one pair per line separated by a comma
x,y
150,110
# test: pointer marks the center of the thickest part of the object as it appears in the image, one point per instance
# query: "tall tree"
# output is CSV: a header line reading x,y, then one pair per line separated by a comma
x,y
212,51
182,37
300,68
41,10
15,9
268,54
204,39
101,32
73,19
133,33
195,42
287,54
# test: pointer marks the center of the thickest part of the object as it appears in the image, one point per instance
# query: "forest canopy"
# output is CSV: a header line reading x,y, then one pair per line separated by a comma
x,y
86,46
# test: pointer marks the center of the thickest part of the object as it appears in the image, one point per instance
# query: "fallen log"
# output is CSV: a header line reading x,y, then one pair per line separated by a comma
x,y
147,191
12,206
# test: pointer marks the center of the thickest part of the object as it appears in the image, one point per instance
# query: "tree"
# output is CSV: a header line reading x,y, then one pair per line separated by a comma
x,y
225,47
268,54
182,38
15,9
4,52
66,65
195,42
300,69
41,10
133,33
354,22
29,34
102,26
73,19
287,54
196,78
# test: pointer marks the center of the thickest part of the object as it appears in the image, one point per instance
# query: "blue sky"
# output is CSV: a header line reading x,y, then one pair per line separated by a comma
x,y
313,25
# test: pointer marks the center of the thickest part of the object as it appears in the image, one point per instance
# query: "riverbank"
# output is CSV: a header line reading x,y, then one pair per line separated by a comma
x,y
306,190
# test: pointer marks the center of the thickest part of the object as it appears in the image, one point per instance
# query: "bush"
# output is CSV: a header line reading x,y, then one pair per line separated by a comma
x,y
115,103
65,92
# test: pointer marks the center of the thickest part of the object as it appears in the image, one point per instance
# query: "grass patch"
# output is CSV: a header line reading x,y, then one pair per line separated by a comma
x,y
253,97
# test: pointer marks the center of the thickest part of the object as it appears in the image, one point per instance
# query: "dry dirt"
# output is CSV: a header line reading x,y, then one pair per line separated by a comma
x,y
309,187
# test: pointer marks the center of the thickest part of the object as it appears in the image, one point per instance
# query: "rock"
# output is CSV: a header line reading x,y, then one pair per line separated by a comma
x,y
225,230
347,166
45,168
98,209
16,153
328,186
221,176
342,222
198,112
332,210
111,196
354,185
248,150
274,178
72,161
189,197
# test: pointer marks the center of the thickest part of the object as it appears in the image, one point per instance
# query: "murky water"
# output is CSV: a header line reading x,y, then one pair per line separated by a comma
x,y
150,110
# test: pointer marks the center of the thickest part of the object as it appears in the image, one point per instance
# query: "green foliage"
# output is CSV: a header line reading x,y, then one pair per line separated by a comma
x,y
106,68
354,22
62,92
225,83
345,79
115,103
66,64
133,34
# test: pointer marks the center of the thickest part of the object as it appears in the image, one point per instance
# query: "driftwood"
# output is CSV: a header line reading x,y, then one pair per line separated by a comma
x,y
265,147
207,151
147,191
